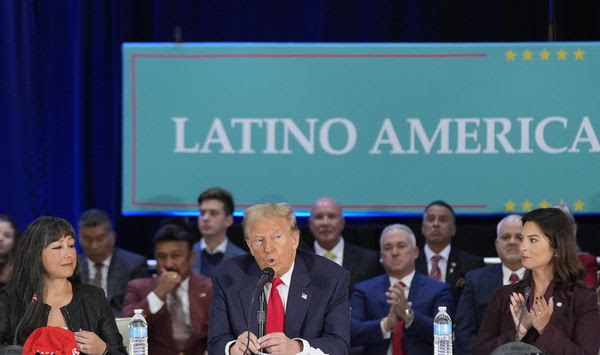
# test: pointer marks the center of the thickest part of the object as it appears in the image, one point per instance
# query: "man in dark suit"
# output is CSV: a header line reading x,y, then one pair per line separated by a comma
x,y
104,265
307,301
438,258
176,303
326,223
480,284
395,310
216,215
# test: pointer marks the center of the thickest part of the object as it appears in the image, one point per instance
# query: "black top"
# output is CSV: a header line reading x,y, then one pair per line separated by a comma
x,y
89,310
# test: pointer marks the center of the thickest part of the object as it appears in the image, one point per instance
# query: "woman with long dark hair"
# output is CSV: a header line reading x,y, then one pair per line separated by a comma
x,y
9,236
560,315
45,291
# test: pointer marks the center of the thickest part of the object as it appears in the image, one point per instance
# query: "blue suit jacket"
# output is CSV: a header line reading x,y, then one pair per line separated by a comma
x,y
317,307
124,266
230,251
369,307
480,286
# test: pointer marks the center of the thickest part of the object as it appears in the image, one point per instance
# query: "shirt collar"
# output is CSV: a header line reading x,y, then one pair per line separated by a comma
x,y
287,277
445,253
506,272
219,249
105,262
337,250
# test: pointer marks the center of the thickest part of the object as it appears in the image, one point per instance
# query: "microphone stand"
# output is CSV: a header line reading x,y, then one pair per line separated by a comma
x,y
262,316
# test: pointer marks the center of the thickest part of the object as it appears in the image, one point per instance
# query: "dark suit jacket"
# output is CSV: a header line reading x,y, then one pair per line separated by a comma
x,y
573,327
362,263
124,266
480,285
230,251
317,307
160,331
369,307
459,262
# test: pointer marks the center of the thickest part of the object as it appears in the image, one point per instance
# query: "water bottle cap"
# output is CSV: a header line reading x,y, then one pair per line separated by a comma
x,y
442,308
138,311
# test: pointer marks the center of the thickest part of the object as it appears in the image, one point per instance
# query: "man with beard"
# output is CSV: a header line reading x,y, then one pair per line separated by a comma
x,y
176,303
439,259
481,284
326,224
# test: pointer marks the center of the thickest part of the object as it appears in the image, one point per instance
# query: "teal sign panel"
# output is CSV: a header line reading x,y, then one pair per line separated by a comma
x,y
490,128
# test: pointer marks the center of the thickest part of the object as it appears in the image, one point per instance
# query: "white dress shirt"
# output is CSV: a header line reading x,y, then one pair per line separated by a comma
x,y
104,270
443,263
337,250
506,274
221,248
155,303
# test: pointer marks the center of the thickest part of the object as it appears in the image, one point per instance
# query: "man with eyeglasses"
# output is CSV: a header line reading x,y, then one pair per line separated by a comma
x,y
307,301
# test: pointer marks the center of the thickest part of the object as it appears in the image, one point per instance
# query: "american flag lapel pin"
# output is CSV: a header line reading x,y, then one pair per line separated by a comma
x,y
304,296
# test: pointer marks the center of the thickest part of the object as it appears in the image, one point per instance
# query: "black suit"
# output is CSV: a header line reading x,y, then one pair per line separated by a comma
x,y
124,266
459,263
362,263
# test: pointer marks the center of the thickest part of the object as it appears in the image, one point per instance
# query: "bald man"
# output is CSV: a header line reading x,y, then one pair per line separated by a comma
x,y
481,284
326,224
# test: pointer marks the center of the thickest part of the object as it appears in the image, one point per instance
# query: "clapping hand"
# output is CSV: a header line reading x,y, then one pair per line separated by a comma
x,y
517,304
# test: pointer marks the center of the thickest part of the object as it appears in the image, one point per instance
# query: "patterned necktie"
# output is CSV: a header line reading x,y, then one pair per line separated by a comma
x,y
275,311
435,272
181,331
398,336
513,278
329,255
97,280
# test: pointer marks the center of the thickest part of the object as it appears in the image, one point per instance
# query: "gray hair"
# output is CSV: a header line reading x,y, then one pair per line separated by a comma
x,y
507,219
401,227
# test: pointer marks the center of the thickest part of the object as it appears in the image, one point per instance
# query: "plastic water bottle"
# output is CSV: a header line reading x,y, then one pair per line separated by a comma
x,y
138,334
442,333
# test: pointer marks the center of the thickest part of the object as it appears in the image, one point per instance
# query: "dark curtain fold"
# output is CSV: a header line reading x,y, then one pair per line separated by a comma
x,y
60,70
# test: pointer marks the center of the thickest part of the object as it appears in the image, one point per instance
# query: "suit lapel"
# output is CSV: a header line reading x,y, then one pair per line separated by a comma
x,y
415,287
421,263
114,275
349,262
298,300
453,267
83,269
246,292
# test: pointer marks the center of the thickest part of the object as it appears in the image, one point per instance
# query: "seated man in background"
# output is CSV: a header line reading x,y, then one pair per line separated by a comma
x,y
326,224
394,312
480,284
176,303
102,263
216,215
439,258
307,300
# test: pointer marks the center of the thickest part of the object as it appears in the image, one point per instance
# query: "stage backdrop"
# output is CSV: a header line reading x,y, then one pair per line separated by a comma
x,y
490,128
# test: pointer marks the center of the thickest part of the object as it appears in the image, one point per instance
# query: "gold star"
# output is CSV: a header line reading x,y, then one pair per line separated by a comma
x,y
579,53
527,206
509,206
544,204
562,54
578,205
544,55
510,55
527,55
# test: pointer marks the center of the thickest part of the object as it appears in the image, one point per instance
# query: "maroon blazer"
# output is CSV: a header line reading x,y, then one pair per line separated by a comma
x,y
573,327
160,333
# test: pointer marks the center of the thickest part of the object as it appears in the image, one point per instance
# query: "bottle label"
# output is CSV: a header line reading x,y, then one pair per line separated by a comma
x,y
137,332
442,329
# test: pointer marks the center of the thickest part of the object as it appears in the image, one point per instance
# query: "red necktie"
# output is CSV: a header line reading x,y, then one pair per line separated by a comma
x,y
435,272
275,311
513,278
398,336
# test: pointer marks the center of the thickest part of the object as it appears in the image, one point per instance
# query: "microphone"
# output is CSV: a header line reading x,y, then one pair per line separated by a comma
x,y
522,310
14,348
266,275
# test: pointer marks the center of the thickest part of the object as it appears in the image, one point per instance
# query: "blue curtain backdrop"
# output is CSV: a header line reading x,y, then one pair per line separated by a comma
x,y
60,71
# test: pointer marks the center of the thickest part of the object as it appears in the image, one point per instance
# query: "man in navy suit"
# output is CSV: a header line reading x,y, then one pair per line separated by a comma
x,y
481,284
326,224
216,215
307,310
104,265
439,258
396,309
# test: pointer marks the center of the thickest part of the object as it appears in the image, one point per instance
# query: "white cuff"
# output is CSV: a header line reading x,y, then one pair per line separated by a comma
x,y
154,303
384,332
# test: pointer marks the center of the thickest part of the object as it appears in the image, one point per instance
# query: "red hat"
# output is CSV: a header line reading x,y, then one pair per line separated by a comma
x,y
51,340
